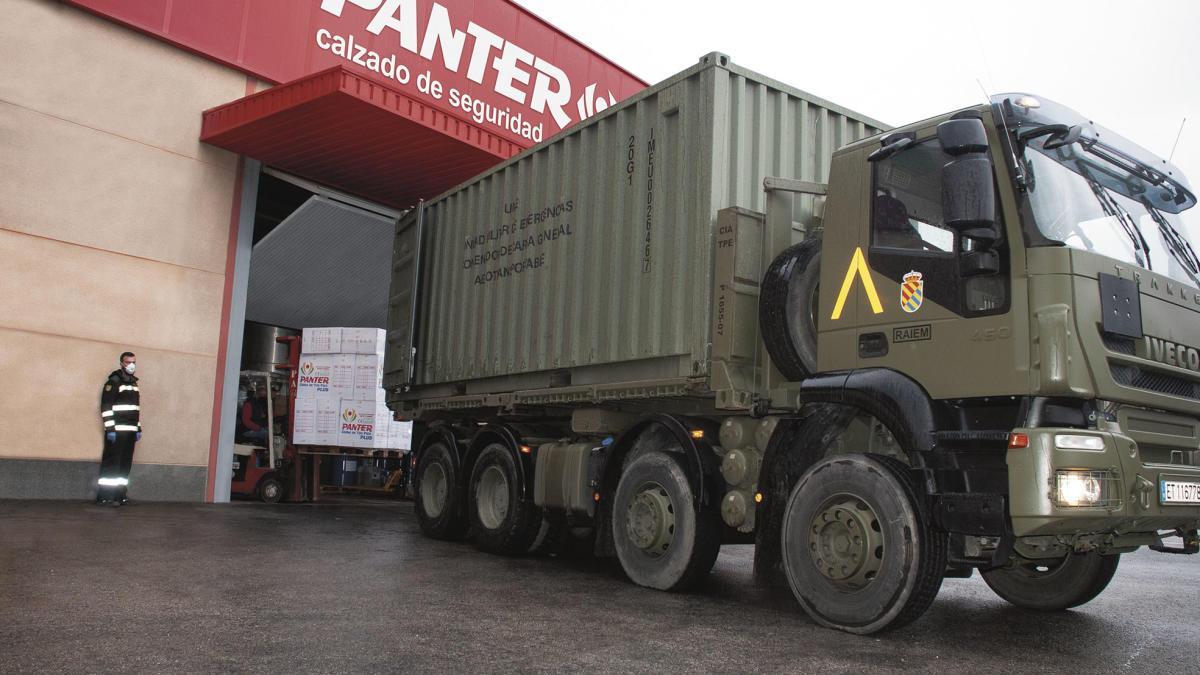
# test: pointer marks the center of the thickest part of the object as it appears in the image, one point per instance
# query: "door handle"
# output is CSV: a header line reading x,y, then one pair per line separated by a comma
x,y
872,345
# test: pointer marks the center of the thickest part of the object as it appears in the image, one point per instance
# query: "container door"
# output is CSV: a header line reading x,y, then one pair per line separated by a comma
x,y
400,358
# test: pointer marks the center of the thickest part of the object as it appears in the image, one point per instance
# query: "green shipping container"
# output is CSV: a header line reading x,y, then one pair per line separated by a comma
x,y
587,270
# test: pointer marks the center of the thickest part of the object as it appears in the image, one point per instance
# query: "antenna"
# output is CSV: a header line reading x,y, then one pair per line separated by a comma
x,y
986,96
1177,135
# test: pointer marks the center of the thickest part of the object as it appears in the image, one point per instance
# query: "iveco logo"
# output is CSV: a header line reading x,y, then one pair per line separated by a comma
x,y
1171,354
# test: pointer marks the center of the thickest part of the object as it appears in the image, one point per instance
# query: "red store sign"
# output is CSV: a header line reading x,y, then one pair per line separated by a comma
x,y
487,61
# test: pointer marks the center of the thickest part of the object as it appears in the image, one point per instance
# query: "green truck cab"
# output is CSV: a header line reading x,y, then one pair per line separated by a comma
x,y
1010,289
883,357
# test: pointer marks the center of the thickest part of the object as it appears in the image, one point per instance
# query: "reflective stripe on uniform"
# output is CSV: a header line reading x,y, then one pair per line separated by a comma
x,y
127,387
125,407
110,482
106,413
127,427
108,424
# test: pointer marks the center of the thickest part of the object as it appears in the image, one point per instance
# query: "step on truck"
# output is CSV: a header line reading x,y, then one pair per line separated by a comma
x,y
726,311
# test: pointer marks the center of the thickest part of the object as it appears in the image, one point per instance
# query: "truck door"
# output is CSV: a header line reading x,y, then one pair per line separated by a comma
x,y
945,327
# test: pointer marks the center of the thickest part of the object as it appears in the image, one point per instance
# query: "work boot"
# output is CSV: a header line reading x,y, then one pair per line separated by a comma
x,y
125,501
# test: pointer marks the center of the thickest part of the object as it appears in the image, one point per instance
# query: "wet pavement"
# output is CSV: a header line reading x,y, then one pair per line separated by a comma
x,y
355,587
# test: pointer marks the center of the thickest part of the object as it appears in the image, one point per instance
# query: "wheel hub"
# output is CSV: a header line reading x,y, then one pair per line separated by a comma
x,y
846,542
650,521
491,498
433,490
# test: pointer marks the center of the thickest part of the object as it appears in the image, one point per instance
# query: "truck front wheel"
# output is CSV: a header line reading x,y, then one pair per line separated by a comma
x,y
1053,585
439,495
503,520
662,541
859,551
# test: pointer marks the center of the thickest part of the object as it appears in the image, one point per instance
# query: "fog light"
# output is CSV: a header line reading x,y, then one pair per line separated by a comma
x,y
1081,488
1078,442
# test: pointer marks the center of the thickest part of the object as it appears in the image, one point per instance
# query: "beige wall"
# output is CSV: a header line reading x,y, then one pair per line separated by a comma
x,y
114,223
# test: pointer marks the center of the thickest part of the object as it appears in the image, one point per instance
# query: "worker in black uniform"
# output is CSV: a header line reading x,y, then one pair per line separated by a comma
x,y
120,410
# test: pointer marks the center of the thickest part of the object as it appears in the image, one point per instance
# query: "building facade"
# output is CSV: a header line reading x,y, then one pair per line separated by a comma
x,y
124,205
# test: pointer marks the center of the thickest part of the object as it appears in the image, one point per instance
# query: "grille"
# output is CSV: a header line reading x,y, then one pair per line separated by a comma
x,y
1132,376
1120,345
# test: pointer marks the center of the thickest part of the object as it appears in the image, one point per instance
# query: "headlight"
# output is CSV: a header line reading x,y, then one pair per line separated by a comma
x,y
1078,442
1084,488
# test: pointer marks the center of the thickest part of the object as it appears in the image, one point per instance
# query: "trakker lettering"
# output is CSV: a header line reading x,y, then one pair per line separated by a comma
x,y
1165,351
520,75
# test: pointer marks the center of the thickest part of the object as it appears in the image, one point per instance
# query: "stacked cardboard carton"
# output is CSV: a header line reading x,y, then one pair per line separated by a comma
x,y
339,395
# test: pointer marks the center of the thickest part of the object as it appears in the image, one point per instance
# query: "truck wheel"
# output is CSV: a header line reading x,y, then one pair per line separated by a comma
x,y
270,490
1053,585
439,502
859,551
787,309
503,521
661,541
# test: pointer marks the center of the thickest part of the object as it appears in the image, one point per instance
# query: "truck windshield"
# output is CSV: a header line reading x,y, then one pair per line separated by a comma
x,y
1093,190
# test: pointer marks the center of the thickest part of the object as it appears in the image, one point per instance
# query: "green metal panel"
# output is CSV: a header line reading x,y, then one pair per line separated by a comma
x,y
588,260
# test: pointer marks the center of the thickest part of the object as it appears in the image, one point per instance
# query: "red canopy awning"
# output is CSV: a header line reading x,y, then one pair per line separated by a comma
x,y
356,135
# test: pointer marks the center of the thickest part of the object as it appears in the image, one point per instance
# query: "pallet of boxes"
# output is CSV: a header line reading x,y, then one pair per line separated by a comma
x,y
341,416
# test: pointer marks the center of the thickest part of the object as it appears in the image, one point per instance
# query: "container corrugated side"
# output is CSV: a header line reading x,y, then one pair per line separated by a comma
x,y
607,235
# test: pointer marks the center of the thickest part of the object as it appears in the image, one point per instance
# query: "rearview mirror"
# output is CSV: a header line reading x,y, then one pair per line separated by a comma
x,y
962,136
968,193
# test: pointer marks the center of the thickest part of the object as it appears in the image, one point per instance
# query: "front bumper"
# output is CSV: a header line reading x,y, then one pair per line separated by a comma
x,y
1134,504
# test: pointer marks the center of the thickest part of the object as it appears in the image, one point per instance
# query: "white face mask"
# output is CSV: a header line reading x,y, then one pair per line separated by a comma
x,y
130,367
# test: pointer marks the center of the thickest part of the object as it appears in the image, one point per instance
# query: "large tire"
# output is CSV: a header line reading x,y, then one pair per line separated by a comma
x,y
788,309
438,497
1053,585
270,489
660,538
859,550
503,519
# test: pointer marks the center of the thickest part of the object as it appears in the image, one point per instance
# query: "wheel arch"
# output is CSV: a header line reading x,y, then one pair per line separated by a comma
x,y
701,458
830,402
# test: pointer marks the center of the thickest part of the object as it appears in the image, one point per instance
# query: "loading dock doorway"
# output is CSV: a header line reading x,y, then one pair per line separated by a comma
x,y
306,256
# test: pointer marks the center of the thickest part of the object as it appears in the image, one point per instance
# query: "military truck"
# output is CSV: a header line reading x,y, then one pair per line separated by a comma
x,y
726,311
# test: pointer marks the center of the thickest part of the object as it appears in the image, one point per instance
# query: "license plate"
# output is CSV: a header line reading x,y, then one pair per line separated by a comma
x,y
1178,492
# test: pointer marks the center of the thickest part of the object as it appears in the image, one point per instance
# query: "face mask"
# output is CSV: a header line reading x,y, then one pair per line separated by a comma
x,y
130,367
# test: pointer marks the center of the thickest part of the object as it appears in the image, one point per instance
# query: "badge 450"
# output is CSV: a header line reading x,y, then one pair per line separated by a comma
x,y
912,292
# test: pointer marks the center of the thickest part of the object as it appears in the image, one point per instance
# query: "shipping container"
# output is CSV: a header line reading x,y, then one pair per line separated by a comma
x,y
584,269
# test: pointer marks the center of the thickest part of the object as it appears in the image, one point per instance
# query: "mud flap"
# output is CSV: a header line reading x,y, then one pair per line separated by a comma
x,y
797,444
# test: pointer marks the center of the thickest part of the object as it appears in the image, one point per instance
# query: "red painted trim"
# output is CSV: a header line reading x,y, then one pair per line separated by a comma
x,y
235,217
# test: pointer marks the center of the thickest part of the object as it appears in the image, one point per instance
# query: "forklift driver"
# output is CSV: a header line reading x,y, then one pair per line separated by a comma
x,y
252,419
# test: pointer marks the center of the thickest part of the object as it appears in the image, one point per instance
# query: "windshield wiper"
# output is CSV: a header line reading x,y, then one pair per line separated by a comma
x,y
1112,208
1176,243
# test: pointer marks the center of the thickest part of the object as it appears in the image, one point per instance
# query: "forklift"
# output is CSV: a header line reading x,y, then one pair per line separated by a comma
x,y
261,469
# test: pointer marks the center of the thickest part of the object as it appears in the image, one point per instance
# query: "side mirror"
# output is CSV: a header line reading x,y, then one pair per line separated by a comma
x,y
968,193
962,136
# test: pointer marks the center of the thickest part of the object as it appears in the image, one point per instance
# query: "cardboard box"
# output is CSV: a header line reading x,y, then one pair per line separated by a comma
x,y
358,422
401,436
313,377
363,341
341,375
321,340
316,421
325,375
368,377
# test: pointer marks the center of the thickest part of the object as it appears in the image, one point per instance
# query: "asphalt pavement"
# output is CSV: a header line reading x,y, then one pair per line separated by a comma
x,y
354,587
